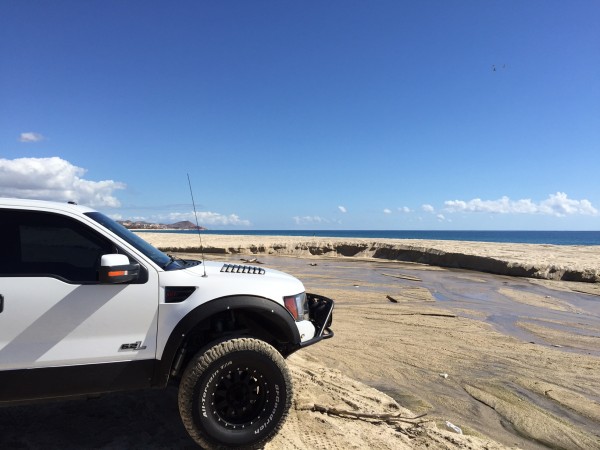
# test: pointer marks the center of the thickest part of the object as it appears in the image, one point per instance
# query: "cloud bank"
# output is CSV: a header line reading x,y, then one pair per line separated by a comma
x,y
206,218
54,179
302,220
558,205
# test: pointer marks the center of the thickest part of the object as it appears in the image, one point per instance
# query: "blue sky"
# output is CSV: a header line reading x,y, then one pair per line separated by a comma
x,y
307,114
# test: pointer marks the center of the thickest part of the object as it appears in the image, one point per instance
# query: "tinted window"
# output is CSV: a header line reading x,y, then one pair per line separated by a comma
x,y
44,244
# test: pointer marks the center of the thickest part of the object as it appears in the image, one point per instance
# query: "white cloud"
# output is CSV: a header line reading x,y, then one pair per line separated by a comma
x,y
342,209
405,209
387,211
205,218
309,220
558,204
31,137
441,217
54,179
428,208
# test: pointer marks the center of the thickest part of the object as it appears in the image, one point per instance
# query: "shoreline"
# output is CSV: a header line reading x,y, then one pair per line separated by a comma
x,y
541,261
544,237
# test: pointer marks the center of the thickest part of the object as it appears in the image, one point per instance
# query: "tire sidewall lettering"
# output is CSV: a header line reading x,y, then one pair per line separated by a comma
x,y
264,426
203,398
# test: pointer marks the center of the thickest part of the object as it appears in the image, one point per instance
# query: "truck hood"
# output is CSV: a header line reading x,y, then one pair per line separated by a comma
x,y
226,279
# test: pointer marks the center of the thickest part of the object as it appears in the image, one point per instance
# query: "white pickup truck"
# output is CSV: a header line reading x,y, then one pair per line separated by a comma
x,y
88,307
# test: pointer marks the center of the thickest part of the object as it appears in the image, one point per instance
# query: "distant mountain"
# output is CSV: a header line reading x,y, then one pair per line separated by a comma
x,y
185,225
141,225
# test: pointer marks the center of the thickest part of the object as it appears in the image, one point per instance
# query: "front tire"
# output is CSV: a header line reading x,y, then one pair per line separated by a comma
x,y
236,394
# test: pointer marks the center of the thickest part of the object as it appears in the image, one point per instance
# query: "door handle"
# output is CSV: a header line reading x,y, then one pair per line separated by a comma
x,y
1,303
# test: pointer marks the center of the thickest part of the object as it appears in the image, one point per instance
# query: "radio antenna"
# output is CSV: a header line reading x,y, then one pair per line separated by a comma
x,y
197,226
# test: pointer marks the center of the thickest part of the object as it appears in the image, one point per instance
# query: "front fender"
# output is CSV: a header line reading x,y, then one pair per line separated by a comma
x,y
276,317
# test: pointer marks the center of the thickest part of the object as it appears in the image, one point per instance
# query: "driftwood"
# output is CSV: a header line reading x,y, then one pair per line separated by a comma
x,y
586,292
387,418
251,261
431,314
391,299
403,276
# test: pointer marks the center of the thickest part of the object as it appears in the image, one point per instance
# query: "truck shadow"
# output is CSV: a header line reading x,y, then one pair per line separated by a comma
x,y
142,419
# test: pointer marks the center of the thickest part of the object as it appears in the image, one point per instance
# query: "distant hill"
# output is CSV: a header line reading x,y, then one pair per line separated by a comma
x,y
141,225
185,225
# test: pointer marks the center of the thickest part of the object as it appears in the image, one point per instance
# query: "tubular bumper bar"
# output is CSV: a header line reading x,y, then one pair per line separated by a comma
x,y
321,315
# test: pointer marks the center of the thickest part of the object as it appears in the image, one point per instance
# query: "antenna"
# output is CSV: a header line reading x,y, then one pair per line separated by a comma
x,y
197,226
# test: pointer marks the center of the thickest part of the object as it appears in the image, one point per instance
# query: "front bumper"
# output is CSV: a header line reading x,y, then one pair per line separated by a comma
x,y
321,316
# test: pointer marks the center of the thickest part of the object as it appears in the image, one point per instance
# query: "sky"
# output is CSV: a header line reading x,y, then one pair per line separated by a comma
x,y
394,115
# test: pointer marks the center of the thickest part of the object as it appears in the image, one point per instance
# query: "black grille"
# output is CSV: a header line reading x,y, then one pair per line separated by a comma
x,y
236,268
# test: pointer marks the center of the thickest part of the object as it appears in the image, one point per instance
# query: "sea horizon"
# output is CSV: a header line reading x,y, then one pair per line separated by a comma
x,y
498,236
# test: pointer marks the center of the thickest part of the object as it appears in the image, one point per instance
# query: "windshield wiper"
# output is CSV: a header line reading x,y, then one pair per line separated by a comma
x,y
174,259
182,262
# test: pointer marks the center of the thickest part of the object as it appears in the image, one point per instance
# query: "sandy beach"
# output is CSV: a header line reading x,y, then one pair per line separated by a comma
x,y
509,361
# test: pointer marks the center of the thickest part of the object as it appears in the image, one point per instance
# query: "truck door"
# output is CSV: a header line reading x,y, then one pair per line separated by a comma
x,y
54,310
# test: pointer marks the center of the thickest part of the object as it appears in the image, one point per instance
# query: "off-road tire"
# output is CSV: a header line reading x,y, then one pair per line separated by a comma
x,y
236,394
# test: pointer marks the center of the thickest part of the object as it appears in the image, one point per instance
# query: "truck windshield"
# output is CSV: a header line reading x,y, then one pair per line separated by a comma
x,y
161,259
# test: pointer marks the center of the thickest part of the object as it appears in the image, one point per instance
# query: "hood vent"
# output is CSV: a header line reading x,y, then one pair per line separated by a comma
x,y
235,268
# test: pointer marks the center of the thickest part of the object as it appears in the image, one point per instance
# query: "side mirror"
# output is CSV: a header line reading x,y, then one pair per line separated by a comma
x,y
116,269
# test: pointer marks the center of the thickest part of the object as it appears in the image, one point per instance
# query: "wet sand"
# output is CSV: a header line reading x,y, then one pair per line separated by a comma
x,y
521,357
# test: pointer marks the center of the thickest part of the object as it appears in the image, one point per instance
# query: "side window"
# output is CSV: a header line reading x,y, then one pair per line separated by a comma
x,y
47,244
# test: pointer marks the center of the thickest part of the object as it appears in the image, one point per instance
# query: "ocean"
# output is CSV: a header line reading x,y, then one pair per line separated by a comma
x,y
520,237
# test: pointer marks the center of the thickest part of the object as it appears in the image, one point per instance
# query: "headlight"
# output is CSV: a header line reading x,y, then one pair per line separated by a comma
x,y
297,306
